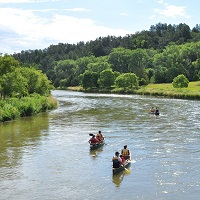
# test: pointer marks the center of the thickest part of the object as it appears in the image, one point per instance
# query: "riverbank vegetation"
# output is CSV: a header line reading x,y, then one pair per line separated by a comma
x,y
23,91
156,56
13,108
167,90
162,89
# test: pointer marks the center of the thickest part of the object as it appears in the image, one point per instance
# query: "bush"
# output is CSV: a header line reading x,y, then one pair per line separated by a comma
x,y
13,108
180,81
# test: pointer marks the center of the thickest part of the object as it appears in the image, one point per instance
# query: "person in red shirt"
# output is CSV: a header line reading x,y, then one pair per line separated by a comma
x,y
93,140
122,158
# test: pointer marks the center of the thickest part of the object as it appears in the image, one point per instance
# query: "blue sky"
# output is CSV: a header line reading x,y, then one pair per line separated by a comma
x,y
36,24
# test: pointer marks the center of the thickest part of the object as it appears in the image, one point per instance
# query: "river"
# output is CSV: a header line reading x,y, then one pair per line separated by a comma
x,y
47,156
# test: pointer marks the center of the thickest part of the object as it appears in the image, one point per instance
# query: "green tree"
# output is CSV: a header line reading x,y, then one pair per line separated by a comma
x,y
65,70
119,59
37,81
168,64
7,64
13,84
127,80
107,78
180,81
98,66
82,63
138,63
89,79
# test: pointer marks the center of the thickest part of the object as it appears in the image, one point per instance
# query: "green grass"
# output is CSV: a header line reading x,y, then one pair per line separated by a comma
x,y
164,89
191,92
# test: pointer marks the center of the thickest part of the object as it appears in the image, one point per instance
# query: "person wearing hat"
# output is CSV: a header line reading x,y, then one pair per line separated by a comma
x,y
125,153
116,160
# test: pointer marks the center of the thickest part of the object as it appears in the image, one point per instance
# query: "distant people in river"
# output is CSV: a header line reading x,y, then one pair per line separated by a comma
x,y
117,161
152,110
125,153
157,111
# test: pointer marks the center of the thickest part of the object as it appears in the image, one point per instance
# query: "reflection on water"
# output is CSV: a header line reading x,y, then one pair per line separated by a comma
x,y
16,135
95,153
118,178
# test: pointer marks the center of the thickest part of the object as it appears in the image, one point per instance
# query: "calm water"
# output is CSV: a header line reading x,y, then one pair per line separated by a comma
x,y
47,156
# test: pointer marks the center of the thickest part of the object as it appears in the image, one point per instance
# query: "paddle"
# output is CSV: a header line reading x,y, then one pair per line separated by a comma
x,y
128,170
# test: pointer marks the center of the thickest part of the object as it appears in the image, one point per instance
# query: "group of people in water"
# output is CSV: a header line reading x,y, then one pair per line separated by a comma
x,y
120,159
154,110
96,139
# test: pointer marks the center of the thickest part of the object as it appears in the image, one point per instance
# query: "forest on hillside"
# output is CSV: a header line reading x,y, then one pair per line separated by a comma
x,y
156,55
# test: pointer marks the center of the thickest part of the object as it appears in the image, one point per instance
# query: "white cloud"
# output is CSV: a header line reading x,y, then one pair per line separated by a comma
x,y
171,11
30,31
78,10
124,14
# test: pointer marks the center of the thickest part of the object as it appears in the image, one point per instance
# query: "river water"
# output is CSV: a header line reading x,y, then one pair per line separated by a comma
x,y
47,157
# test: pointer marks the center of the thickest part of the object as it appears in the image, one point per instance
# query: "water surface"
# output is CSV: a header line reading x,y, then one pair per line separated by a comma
x,y
47,156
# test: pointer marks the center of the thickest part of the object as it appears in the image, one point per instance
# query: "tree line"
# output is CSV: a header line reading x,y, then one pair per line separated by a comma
x,y
18,81
157,56
23,91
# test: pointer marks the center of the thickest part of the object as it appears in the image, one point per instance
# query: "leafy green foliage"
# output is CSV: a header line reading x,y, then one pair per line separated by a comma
x,y
16,81
107,78
13,84
7,64
90,80
12,108
180,81
127,80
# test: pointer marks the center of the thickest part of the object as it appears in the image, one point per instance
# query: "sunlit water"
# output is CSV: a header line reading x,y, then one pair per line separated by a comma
x,y
47,156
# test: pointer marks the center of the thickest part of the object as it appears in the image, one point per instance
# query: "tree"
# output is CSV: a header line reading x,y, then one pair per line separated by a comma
x,y
89,79
180,81
138,63
127,80
37,81
98,66
119,59
107,78
65,70
13,84
7,64
82,64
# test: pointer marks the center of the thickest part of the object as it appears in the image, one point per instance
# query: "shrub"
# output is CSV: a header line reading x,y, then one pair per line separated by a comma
x,y
180,81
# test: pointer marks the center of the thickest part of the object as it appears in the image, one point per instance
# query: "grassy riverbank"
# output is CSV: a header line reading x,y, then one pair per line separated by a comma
x,y
13,108
166,90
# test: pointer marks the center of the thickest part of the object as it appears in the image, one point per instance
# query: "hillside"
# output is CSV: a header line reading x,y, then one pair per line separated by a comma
x,y
156,55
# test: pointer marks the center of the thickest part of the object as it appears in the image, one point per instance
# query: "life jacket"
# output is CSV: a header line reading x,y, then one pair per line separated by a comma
x,y
100,136
125,152
115,162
